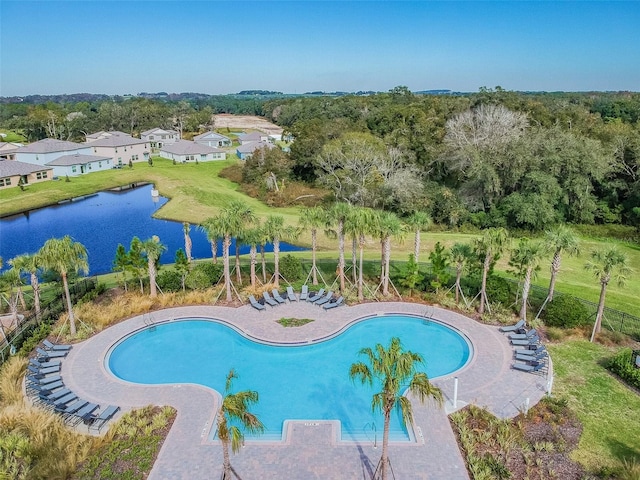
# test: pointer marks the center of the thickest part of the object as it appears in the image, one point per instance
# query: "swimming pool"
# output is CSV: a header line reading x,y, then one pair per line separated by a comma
x,y
301,381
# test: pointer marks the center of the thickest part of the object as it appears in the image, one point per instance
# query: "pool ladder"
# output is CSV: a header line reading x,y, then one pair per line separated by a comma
x,y
148,321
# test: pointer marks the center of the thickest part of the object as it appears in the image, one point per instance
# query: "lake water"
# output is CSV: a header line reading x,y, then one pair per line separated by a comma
x,y
100,223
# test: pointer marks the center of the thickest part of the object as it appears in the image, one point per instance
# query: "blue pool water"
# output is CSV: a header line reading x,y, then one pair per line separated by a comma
x,y
307,382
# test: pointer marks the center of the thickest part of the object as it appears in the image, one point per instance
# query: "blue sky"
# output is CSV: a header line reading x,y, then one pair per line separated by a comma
x,y
216,47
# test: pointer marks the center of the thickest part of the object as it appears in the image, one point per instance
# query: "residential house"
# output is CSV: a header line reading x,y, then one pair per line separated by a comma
x,y
158,137
184,151
14,173
245,150
44,151
120,147
212,139
102,134
246,138
77,164
8,150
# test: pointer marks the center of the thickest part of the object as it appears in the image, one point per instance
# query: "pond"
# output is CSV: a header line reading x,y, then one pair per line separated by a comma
x,y
100,222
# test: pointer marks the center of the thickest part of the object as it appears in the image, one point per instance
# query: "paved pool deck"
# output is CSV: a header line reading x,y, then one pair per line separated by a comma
x,y
311,449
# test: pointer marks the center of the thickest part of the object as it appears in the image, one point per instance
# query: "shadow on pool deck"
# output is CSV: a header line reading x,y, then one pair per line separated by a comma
x,y
311,449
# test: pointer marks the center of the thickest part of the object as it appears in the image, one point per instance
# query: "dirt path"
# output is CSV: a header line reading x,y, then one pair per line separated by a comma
x,y
246,122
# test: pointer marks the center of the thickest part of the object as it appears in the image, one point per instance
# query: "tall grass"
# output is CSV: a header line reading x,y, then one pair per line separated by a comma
x,y
34,443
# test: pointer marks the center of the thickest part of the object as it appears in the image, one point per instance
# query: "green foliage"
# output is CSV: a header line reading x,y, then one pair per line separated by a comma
x,y
291,268
622,364
37,334
169,281
294,322
130,455
439,259
565,311
213,271
411,276
197,279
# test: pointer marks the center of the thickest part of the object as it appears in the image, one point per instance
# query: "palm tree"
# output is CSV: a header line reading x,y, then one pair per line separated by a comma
x,y
559,240
30,264
235,407
137,262
459,255
490,245
386,225
229,222
360,224
121,263
526,258
212,231
153,249
607,264
337,216
275,230
394,368
313,218
9,280
253,237
418,221
186,228
63,255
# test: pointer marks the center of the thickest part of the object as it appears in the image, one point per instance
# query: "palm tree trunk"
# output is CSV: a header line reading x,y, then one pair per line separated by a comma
x,y
458,276
416,245
153,292
354,247
360,277
526,286
226,460
555,268
35,286
384,459
253,253
314,241
67,295
341,254
20,294
225,261
382,260
214,250
238,272
387,256
264,264
597,326
187,246
276,261
483,288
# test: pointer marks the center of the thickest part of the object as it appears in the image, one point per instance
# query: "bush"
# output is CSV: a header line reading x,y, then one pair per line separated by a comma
x,y
501,290
622,364
169,281
213,271
565,311
291,268
203,276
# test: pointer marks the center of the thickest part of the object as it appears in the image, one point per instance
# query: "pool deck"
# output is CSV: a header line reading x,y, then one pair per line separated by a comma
x,y
311,449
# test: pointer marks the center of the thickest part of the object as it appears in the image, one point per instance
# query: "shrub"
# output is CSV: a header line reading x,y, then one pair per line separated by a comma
x,y
213,271
169,281
565,312
197,279
291,268
501,290
622,365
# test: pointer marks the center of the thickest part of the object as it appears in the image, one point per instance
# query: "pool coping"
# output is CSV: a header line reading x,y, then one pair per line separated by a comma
x,y
486,380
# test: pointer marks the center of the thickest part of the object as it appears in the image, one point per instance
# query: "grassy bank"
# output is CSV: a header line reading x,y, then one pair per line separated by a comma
x,y
607,409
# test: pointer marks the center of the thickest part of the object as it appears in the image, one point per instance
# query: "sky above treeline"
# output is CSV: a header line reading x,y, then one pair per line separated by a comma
x,y
218,47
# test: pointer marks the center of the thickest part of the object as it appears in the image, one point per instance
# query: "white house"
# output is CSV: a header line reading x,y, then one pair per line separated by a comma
x,y
77,164
245,150
253,137
44,151
184,151
122,148
212,139
14,173
158,137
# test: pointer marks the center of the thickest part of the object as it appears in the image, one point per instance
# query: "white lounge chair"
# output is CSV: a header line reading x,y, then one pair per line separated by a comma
x,y
276,295
268,299
317,296
333,304
304,294
255,304
513,328
291,295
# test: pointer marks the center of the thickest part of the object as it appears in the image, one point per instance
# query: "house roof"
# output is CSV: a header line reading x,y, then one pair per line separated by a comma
x,y
252,137
10,168
116,141
252,146
69,160
211,136
50,145
9,146
186,147
159,131
103,134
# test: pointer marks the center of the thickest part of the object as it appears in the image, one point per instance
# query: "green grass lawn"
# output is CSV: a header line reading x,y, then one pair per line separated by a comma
x,y
608,410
